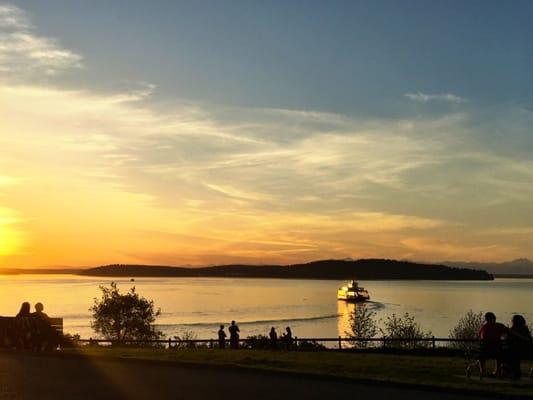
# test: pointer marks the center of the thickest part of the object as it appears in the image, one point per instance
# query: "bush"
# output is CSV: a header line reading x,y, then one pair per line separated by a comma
x,y
404,327
257,342
123,317
310,345
467,328
186,336
70,340
362,325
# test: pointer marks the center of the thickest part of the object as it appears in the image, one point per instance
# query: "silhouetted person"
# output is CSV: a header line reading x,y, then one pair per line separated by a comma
x,y
491,334
24,310
39,312
520,345
273,338
234,335
24,327
287,338
221,337
43,337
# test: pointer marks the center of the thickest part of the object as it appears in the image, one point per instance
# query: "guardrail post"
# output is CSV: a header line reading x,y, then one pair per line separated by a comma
x,y
384,342
296,343
169,343
211,343
433,342
340,343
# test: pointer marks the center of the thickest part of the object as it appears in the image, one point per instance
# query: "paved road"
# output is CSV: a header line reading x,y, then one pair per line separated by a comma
x,y
29,377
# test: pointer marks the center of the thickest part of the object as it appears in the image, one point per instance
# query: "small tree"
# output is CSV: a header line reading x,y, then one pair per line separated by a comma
x,y
467,328
362,325
404,327
124,317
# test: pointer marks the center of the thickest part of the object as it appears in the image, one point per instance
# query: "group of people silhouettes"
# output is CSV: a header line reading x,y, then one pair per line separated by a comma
x,y
506,345
234,331
286,338
32,330
233,336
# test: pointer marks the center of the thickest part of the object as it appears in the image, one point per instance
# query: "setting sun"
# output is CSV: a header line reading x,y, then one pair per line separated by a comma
x,y
11,240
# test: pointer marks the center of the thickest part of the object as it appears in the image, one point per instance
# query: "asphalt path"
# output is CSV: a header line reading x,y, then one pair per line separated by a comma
x,y
36,377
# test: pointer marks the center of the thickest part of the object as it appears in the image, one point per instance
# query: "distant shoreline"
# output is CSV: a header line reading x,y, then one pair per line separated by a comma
x,y
364,269
79,273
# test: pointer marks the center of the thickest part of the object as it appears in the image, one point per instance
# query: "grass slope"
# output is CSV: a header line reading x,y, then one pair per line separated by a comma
x,y
434,371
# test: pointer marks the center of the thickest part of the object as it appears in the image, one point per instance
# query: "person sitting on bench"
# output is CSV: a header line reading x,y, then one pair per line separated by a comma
x,y
520,345
491,334
43,333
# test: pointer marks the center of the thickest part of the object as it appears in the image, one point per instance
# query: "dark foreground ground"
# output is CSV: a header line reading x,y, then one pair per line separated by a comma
x,y
28,376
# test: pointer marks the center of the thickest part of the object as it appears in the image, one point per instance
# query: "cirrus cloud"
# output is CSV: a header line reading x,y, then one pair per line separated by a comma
x,y
23,51
444,97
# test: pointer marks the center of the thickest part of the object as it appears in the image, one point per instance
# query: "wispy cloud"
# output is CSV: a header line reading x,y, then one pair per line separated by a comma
x,y
22,51
444,97
13,17
356,188
249,184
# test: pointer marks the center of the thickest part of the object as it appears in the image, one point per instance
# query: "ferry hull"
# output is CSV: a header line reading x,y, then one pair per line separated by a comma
x,y
352,292
352,299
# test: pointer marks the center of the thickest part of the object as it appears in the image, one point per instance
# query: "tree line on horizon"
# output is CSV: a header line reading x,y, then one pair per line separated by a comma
x,y
325,269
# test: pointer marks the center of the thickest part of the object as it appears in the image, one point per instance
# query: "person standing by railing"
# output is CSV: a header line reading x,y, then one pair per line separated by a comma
x,y
273,338
287,338
221,338
234,335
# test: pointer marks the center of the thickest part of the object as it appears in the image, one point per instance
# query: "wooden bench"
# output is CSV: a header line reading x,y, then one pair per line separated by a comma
x,y
57,324
9,335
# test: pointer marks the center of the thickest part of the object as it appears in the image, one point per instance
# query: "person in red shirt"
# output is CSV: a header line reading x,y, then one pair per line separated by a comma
x,y
491,335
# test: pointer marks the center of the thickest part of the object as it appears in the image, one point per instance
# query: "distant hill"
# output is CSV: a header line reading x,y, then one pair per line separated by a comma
x,y
520,266
326,269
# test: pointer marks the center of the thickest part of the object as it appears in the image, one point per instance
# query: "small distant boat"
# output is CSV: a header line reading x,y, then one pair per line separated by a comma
x,y
353,292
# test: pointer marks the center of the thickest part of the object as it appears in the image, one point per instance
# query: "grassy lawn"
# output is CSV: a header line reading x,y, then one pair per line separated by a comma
x,y
438,371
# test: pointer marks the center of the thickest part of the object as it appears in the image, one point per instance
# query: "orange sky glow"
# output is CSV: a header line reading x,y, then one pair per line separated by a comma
x,y
91,176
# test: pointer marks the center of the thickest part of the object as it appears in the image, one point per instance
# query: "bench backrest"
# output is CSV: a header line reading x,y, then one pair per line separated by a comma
x,y
57,324
7,325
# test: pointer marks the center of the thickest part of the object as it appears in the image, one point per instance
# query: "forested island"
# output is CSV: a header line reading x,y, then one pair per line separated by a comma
x,y
364,269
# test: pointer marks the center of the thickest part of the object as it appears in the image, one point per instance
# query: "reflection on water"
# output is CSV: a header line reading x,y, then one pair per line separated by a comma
x,y
309,307
344,309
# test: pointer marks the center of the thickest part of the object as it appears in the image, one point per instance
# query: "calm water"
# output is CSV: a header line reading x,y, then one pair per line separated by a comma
x,y
309,307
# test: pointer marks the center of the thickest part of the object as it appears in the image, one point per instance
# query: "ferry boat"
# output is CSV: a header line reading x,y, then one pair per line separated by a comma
x,y
353,292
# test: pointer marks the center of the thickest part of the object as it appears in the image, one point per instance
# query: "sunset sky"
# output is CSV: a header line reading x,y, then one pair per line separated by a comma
x,y
202,132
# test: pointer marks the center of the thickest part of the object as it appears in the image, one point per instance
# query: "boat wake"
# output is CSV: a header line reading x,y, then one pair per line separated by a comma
x,y
256,322
374,305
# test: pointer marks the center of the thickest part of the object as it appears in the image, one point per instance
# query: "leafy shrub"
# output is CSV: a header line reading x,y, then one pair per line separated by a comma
x,y
70,340
467,328
404,330
310,345
257,342
186,340
123,317
362,325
